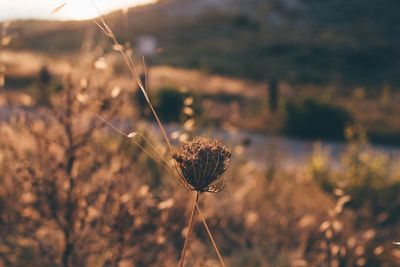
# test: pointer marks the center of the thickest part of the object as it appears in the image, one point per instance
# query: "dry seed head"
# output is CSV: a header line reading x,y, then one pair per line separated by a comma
x,y
201,163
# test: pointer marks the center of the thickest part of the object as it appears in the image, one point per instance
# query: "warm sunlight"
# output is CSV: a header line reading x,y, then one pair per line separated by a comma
x,y
190,133
74,9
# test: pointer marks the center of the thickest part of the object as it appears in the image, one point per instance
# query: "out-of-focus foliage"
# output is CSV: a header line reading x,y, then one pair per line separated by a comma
x,y
369,178
5,40
311,118
74,192
302,41
70,195
170,104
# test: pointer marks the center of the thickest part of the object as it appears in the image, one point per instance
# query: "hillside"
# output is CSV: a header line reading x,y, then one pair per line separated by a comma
x,y
302,41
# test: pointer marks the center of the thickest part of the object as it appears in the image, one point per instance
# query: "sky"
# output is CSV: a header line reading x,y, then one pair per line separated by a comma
x,y
74,9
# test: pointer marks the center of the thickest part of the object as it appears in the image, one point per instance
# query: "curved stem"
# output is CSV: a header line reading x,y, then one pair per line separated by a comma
x,y
190,227
210,235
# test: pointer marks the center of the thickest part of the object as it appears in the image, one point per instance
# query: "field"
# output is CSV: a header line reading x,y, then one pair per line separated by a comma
x,y
106,162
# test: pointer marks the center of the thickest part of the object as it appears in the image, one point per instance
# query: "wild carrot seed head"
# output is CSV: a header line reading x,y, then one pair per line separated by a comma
x,y
201,163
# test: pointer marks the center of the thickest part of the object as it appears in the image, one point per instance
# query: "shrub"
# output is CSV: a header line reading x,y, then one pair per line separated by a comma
x,y
369,178
170,104
366,176
319,168
310,118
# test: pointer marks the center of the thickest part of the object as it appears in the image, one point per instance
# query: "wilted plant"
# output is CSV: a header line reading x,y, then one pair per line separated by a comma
x,y
200,164
209,159
60,175
67,189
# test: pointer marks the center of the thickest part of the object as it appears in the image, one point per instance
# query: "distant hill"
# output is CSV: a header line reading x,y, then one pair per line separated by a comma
x,y
353,42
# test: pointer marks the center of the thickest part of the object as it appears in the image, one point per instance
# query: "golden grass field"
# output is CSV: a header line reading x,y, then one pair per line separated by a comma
x,y
98,167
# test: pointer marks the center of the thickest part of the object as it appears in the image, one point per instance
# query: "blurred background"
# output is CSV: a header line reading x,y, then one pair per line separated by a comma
x,y
304,92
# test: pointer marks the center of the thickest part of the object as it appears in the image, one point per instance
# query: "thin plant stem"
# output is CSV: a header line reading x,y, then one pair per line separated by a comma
x,y
160,160
132,68
186,244
210,235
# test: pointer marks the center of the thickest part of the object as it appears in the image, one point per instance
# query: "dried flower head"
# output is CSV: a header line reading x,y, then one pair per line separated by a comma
x,y
201,163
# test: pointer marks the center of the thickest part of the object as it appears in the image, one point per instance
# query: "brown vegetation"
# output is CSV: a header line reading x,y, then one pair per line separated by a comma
x,y
73,192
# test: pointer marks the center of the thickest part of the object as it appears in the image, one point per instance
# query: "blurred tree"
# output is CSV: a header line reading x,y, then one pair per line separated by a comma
x,y
311,118
170,104
273,89
45,76
43,88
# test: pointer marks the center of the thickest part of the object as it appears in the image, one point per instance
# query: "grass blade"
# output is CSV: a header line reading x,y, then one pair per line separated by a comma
x,y
58,9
